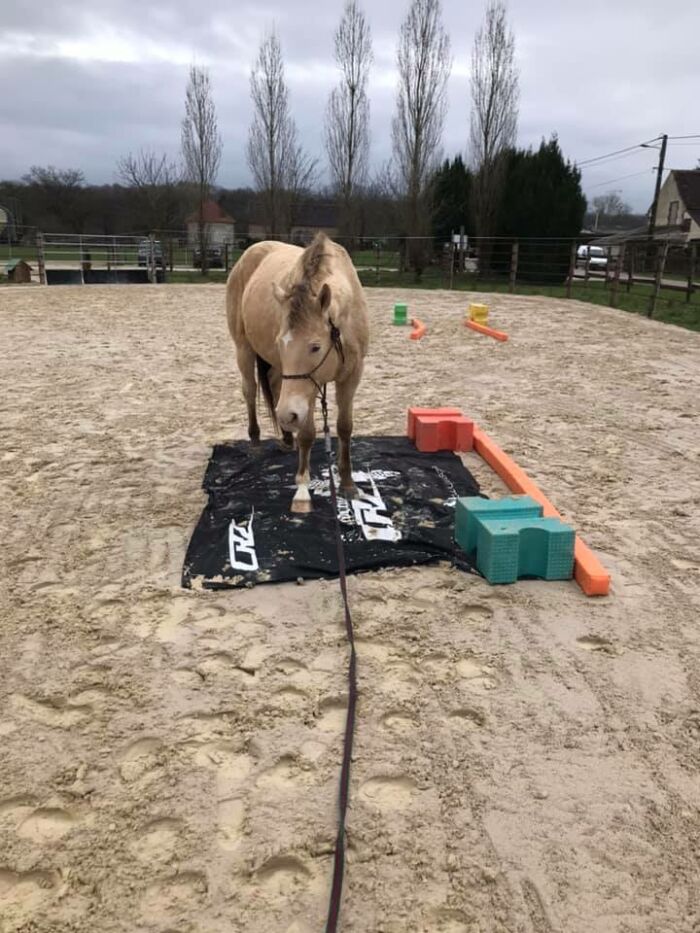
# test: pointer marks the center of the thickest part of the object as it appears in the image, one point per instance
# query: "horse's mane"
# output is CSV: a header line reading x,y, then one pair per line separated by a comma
x,y
308,274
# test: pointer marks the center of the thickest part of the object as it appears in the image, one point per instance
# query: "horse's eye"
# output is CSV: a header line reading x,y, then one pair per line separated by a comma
x,y
315,347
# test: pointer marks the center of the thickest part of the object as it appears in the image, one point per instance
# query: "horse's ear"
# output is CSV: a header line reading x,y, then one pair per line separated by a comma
x,y
324,297
279,293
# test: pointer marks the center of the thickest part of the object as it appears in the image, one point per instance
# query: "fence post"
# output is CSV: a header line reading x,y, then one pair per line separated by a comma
x,y
587,271
151,259
572,269
378,257
171,254
226,265
41,258
513,265
451,257
616,278
692,261
608,257
630,267
662,252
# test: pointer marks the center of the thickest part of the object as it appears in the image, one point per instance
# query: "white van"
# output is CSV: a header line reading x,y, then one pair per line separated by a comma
x,y
595,256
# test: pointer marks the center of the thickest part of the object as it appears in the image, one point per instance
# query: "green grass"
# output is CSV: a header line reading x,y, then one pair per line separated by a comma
x,y
671,306
16,252
195,277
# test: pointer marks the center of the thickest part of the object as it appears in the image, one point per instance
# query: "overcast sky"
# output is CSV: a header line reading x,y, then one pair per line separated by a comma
x,y
85,81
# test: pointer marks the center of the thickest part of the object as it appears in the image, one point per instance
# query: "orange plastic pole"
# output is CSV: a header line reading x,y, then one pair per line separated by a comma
x,y
589,573
419,329
489,331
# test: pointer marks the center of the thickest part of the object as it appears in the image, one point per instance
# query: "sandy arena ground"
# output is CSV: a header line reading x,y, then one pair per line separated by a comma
x,y
527,760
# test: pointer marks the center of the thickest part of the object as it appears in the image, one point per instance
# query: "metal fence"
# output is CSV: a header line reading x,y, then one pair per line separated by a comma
x,y
650,272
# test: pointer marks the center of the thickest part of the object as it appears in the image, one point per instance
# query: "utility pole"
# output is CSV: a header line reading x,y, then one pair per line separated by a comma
x,y
659,173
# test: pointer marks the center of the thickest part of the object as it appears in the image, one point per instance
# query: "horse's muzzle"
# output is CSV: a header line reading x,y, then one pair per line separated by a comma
x,y
292,415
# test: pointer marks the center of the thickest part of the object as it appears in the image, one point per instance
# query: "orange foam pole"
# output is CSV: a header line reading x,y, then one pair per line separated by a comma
x,y
489,331
419,329
589,573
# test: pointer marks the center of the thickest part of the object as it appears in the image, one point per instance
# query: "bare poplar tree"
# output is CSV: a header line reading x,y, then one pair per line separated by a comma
x,y
280,167
494,117
347,113
424,64
155,180
201,146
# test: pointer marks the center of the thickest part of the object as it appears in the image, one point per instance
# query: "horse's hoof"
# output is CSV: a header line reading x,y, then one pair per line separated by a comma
x,y
301,506
350,492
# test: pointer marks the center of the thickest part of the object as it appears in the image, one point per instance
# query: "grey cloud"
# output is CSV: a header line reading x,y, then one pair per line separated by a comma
x,y
602,75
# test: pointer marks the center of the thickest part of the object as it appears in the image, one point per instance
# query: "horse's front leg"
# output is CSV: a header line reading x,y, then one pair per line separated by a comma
x,y
276,385
305,438
344,395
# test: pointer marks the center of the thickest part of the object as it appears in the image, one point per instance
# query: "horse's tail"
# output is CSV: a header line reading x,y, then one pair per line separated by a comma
x,y
266,389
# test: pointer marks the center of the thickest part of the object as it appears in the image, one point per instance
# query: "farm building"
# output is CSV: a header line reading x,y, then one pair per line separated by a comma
x,y
220,227
308,219
18,271
678,210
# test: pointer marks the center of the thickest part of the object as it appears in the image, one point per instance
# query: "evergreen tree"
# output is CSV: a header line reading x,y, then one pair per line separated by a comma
x,y
543,201
452,188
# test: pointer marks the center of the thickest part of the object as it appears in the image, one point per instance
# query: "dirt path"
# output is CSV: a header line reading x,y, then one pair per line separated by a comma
x,y
527,760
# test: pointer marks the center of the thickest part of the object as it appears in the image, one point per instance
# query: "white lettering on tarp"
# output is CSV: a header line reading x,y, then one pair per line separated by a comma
x,y
369,511
370,515
241,545
452,501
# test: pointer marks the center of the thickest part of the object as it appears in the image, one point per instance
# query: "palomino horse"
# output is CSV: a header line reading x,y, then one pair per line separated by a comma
x,y
299,316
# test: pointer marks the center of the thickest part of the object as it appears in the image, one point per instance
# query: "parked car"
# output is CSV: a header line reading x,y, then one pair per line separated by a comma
x,y
215,258
596,257
144,251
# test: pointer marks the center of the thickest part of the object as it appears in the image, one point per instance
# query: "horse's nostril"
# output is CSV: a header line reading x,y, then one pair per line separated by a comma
x,y
292,417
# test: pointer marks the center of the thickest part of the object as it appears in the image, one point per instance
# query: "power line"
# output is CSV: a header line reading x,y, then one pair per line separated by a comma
x,y
623,153
637,151
609,154
600,184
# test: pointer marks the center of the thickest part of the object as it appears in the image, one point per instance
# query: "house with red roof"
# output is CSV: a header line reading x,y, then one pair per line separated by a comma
x,y
219,226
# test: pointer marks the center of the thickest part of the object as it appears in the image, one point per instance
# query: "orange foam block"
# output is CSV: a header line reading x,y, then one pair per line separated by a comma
x,y
589,573
483,329
414,413
451,432
419,329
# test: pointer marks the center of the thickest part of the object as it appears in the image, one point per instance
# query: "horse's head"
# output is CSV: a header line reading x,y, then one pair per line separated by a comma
x,y
309,350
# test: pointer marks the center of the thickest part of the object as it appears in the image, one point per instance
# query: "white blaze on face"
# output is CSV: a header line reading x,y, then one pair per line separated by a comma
x,y
286,338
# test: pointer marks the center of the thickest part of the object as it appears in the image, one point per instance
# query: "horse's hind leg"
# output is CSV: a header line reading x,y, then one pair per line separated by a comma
x,y
246,365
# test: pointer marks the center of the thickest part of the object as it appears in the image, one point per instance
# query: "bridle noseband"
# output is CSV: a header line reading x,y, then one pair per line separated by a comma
x,y
337,345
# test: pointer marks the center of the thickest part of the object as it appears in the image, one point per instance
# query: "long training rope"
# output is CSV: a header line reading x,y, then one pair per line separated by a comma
x,y
344,794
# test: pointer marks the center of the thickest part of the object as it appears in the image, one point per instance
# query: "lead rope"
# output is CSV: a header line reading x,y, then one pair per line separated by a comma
x,y
339,858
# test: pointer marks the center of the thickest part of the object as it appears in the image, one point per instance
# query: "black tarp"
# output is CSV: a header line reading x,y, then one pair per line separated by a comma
x,y
247,534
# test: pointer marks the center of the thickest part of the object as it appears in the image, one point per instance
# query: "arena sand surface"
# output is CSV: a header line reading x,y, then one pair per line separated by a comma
x,y
526,759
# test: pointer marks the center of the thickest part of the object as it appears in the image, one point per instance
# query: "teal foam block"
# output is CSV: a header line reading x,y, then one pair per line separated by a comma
x,y
531,547
471,509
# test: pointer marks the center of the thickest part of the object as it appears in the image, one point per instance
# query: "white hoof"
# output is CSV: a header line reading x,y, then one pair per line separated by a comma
x,y
302,500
